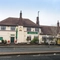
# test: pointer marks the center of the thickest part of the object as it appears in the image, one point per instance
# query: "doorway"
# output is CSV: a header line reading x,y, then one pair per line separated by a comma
x,y
12,39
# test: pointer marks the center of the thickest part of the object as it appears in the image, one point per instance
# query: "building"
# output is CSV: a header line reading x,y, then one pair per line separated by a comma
x,y
18,30
49,33
22,30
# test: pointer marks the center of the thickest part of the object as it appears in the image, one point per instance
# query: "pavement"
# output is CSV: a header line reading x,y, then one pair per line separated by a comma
x,y
25,45
26,52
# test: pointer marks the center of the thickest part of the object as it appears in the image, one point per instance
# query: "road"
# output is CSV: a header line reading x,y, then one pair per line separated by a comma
x,y
29,49
30,57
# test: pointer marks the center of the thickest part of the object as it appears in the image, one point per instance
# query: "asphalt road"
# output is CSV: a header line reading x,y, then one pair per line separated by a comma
x,y
29,49
30,57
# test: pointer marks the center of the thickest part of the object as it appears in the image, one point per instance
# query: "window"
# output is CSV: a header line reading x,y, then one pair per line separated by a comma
x,y
28,29
12,28
37,29
28,38
3,27
35,36
44,38
50,38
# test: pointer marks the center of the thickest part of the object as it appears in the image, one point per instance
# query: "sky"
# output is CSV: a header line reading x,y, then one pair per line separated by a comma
x,y
49,10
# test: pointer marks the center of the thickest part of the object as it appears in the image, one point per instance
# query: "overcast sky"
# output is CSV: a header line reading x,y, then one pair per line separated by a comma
x,y
49,10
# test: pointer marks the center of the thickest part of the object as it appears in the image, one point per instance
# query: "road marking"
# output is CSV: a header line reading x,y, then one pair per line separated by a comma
x,y
36,55
18,55
54,54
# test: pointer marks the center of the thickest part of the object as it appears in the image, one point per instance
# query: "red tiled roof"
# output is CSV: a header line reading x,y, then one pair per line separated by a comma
x,y
18,21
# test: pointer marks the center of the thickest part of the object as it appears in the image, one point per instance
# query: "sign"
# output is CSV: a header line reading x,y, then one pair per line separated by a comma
x,y
32,32
12,34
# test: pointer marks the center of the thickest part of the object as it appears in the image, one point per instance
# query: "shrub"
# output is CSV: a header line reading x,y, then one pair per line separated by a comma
x,y
4,41
35,41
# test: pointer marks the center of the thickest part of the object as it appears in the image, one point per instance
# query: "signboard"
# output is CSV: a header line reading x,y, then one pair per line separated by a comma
x,y
12,35
32,32
1,38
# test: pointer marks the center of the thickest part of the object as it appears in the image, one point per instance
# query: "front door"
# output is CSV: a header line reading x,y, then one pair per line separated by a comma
x,y
12,39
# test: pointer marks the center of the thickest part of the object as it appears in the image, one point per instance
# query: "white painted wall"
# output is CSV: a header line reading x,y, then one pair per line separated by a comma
x,y
40,39
7,34
33,29
8,27
22,34
25,34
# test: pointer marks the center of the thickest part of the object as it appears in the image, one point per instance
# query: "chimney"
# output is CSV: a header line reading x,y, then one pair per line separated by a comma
x,y
20,14
37,20
58,27
20,21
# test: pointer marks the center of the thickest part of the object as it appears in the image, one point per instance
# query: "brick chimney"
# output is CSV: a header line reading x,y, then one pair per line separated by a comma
x,y
58,27
20,21
21,14
37,20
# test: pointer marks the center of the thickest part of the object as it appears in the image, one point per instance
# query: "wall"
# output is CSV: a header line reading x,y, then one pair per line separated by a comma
x,y
7,34
22,34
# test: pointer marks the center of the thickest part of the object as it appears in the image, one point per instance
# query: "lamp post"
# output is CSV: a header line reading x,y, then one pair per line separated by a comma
x,y
38,23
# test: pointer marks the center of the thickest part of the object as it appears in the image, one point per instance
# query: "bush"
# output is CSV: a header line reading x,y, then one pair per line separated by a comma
x,y
35,41
4,41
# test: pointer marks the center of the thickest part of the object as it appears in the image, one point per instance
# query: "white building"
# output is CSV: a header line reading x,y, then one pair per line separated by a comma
x,y
18,30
